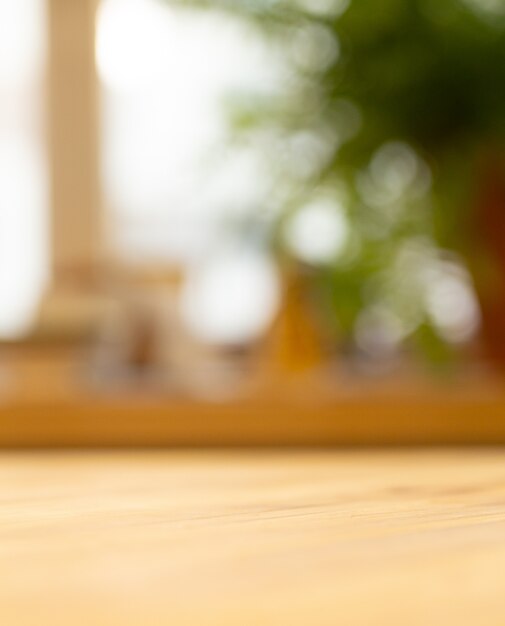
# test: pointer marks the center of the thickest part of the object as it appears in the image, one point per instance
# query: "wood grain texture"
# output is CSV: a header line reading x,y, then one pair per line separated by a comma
x,y
248,538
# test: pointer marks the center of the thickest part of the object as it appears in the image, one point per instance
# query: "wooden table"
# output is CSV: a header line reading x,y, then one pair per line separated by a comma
x,y
252,537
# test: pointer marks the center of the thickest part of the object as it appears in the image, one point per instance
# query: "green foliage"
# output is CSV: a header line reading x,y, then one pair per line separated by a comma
x,y
384,107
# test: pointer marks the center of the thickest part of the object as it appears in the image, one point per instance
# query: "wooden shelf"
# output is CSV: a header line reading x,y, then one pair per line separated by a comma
x,y
44,404
120,422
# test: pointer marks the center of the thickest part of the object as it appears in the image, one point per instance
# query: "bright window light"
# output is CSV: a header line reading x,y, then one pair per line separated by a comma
x,y
171,179
318,232
232,298
165,73
23,193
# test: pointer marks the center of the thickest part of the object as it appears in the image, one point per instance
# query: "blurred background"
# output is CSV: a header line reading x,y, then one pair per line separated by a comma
x,y
219,198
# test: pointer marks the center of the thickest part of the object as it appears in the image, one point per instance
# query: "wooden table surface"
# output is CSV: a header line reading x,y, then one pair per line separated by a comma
x,y
252,538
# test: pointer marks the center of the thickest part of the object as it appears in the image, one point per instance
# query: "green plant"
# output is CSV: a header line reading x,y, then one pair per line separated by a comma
x,y
384,108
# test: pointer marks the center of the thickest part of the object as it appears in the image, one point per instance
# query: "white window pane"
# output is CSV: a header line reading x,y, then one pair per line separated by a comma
x,y
165,73
23,192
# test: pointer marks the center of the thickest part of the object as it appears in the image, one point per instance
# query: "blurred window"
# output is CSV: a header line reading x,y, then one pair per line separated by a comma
x,y
165,73
171,188
23,192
